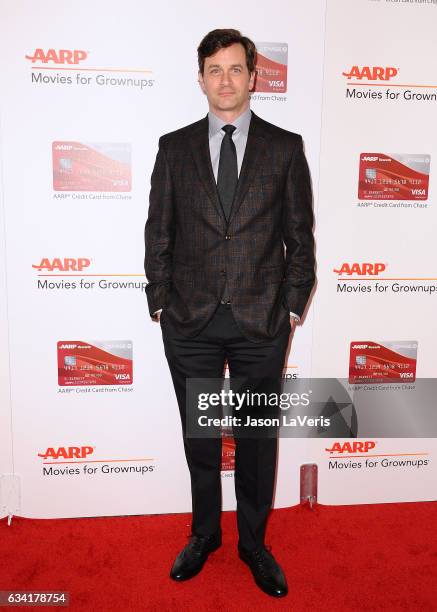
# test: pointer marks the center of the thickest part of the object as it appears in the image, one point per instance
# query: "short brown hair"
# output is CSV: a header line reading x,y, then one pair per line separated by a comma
x,y
219,39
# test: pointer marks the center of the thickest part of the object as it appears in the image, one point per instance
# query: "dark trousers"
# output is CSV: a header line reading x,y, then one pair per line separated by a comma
x,y
255,459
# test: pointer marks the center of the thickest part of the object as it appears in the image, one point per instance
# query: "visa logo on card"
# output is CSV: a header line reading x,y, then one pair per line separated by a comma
x,y
91,166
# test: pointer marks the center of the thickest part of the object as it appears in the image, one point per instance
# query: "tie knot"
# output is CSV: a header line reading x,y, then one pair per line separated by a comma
x,y
229,129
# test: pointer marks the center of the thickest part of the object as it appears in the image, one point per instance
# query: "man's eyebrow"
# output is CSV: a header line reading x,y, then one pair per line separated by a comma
x,y
219,66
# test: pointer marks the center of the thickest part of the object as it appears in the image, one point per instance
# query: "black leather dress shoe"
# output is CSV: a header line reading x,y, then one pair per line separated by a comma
x,y
267,573
191,559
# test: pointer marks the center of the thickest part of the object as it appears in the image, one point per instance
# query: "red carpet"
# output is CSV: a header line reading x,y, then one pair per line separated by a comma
x,y
372,557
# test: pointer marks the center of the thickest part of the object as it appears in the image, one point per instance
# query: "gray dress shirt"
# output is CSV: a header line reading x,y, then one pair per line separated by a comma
x,y
239,137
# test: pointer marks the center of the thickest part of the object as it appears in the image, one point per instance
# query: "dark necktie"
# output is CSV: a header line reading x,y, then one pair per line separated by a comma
x,y
227,176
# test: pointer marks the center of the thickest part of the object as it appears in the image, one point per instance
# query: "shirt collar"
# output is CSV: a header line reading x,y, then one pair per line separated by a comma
x,y
242,122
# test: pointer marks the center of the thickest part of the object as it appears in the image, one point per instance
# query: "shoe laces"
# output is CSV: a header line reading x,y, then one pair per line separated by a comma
x,y
262,558
197,544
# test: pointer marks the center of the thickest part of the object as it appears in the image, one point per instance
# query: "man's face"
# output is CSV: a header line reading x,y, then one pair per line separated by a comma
x,y
226,80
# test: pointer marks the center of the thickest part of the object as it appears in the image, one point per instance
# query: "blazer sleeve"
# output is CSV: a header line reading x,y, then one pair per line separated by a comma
x,y
298,237
159,234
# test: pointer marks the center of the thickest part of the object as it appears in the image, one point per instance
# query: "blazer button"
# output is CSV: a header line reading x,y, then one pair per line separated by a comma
x,y
227,237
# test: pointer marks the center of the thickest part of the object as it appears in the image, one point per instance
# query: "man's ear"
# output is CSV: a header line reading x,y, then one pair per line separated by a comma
x,y
200,81
252,80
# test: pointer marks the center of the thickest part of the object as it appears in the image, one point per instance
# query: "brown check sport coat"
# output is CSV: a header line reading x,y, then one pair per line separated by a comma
x,y
265,250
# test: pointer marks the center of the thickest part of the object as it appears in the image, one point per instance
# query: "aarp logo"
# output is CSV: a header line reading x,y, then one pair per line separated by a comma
x,y
360,269
351,447
371,73
58,56
67,452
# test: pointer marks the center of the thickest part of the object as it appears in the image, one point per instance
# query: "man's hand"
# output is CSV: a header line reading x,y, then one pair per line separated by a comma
x,y
294,320
157,315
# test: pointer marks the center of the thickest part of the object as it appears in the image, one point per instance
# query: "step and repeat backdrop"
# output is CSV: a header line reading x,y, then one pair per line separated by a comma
x,y
376,298
89,424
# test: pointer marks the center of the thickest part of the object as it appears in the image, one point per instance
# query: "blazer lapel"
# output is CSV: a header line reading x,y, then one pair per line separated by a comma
x,y
256,147
199,144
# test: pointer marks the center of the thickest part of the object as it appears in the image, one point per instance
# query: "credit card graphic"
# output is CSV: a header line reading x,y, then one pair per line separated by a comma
x,y
396,176
99,166
228,451
271,67
385,362
107,362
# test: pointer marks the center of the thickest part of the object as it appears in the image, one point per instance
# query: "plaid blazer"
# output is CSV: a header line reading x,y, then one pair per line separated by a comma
x,y
265,251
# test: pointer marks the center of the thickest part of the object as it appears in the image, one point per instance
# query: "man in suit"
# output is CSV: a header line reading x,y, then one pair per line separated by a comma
x,y
230,267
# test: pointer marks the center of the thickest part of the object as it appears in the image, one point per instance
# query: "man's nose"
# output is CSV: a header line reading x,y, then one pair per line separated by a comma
x,y
225,78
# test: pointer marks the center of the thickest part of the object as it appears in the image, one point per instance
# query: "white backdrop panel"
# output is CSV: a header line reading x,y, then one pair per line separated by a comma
x,y
136,425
